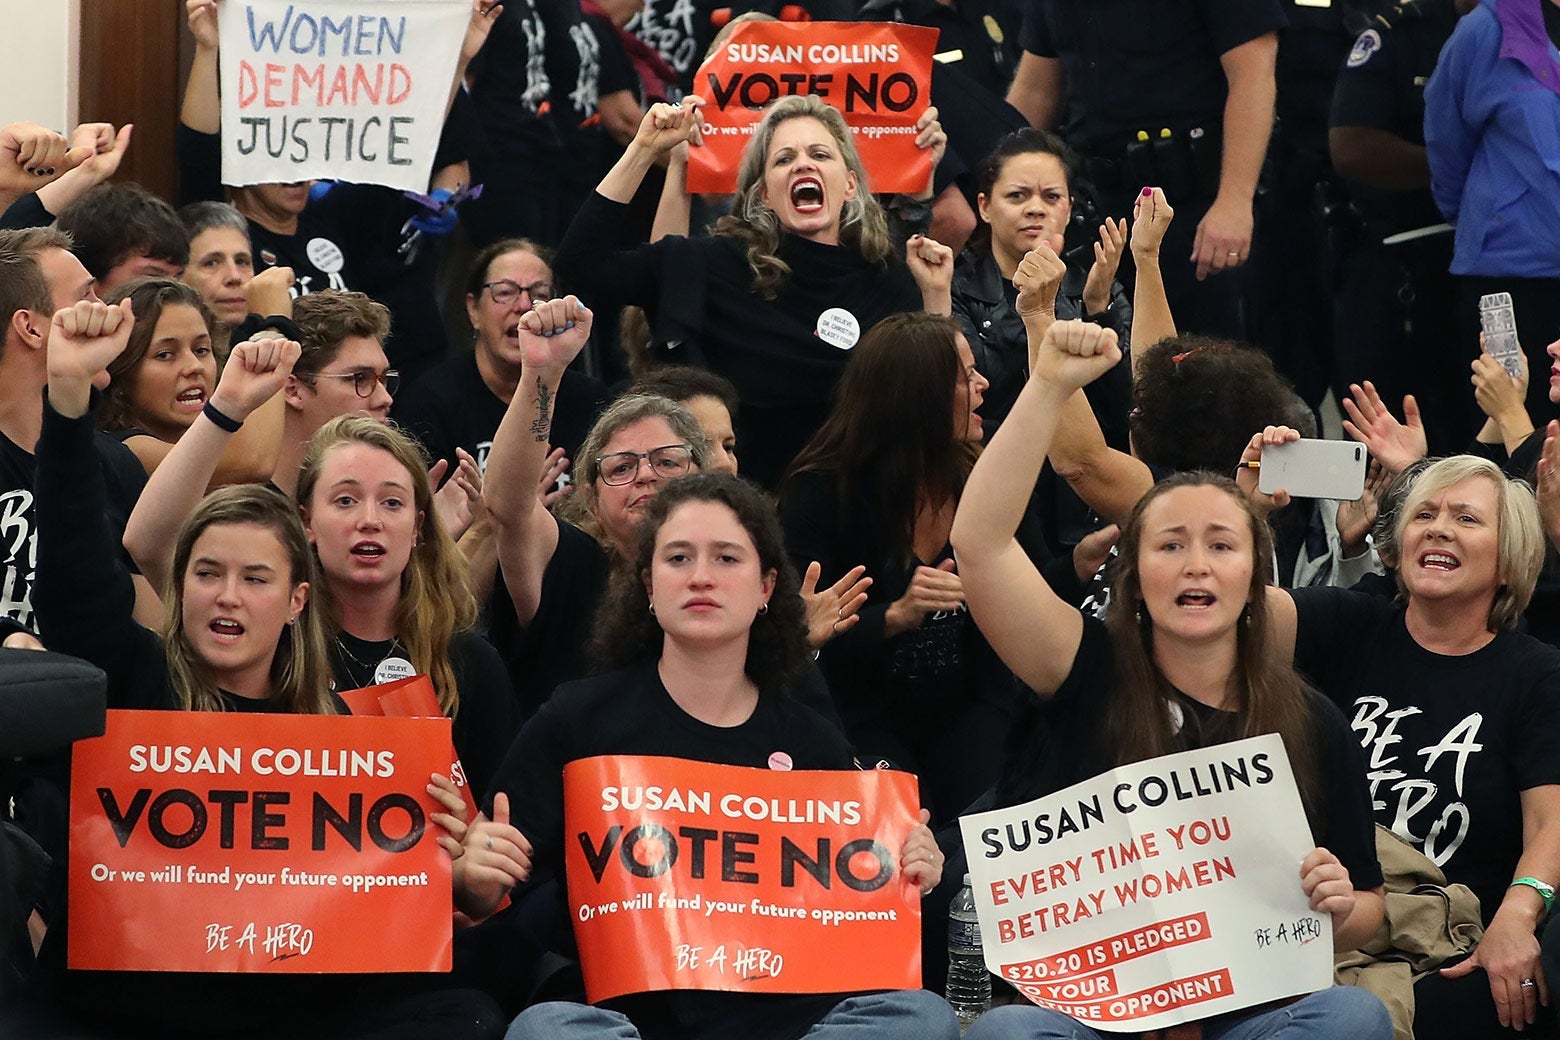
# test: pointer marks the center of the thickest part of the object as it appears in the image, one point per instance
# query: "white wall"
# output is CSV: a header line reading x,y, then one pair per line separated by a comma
x,y
38,77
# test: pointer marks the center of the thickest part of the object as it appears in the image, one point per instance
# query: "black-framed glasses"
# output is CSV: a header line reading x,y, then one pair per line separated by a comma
x,y
621,467
364,380
506,291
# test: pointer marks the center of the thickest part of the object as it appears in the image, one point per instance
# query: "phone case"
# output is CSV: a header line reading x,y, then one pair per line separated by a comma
x,y
1314,469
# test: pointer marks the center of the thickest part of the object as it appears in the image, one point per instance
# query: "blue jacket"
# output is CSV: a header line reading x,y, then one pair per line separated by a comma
x,y
1492,128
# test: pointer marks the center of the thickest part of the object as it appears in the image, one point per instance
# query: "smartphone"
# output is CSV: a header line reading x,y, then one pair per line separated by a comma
x,y
1314,469
1498,322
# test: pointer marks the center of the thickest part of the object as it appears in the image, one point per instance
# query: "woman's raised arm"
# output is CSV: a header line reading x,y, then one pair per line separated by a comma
x,y
254,373
1034,631
552,334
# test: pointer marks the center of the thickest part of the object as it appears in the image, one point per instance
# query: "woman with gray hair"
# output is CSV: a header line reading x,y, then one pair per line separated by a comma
x,y
554,571
1458,716
775,299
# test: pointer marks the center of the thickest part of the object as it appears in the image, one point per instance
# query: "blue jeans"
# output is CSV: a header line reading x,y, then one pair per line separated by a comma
x,y
1330,1014
906,1014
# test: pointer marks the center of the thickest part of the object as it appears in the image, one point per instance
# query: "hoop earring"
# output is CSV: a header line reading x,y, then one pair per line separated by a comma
x,y
652,610
763,609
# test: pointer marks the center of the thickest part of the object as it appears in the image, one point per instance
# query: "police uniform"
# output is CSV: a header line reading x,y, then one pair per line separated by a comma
x,y
1287,281
1394,303
976,36
1145,94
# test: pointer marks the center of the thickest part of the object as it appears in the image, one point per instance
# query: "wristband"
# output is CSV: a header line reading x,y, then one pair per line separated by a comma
x,y
1544,889
219,420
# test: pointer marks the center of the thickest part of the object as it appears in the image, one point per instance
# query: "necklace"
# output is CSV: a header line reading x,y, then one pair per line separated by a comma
x,y
369,666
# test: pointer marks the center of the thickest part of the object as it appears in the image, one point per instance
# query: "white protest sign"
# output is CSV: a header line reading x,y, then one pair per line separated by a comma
x,y
1158,893
350,90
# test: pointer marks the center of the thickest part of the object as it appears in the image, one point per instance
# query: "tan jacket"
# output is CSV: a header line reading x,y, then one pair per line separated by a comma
x,y
1427,923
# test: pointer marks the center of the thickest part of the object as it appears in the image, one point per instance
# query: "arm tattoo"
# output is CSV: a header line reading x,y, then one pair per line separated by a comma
x,y
541,426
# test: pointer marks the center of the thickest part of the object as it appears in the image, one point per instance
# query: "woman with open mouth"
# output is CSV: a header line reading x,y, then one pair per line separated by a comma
x,y
1183,660
394,592
779,294
1457,713
915,683
243,633
166,375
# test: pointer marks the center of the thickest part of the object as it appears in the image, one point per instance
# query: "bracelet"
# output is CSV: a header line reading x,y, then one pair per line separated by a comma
x,y
1543,888
219,420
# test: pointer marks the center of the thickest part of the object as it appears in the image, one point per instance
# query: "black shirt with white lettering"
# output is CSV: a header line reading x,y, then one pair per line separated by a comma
x,y
1450,742
123,479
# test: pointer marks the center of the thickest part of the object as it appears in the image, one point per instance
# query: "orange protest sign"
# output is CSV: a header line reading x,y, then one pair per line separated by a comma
x,y
411,698
688,875
877,74
214,841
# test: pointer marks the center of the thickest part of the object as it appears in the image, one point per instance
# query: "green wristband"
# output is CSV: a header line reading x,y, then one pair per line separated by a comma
x,y
1545,890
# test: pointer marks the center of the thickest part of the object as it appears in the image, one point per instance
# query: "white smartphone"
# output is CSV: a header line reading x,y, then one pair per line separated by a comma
x,y
1498,322
1314,469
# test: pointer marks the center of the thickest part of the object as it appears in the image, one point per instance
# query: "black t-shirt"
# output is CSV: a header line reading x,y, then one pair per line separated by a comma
x,y
550,650
1382,86
1143,64
451,407
486,719
1450,742
123,480
698,293
629,712
1060,746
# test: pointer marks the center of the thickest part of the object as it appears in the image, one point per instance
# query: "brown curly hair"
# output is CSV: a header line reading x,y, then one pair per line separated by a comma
x,y
626,633
1197,401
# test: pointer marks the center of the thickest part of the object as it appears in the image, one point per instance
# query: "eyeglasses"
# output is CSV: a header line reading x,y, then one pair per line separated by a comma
x,y
364,380
621,467
505,292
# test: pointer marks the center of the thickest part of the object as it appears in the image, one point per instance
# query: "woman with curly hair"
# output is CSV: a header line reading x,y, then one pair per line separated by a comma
x,y
778,295
704,635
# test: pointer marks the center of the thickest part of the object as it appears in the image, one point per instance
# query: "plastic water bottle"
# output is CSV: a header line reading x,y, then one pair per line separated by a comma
x,y
969,984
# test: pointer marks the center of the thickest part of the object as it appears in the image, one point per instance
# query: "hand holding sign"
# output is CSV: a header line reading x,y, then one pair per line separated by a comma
x,y
1325,882
455,817
929,135
492,859
920,859
483,14
201,15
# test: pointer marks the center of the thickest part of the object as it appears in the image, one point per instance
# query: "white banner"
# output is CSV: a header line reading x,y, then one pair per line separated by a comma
x,y
349,90
1159,893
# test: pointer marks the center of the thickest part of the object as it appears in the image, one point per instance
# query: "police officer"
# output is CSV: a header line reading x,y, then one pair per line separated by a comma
x,y
1394,303
978,37
1288,290
1177,93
